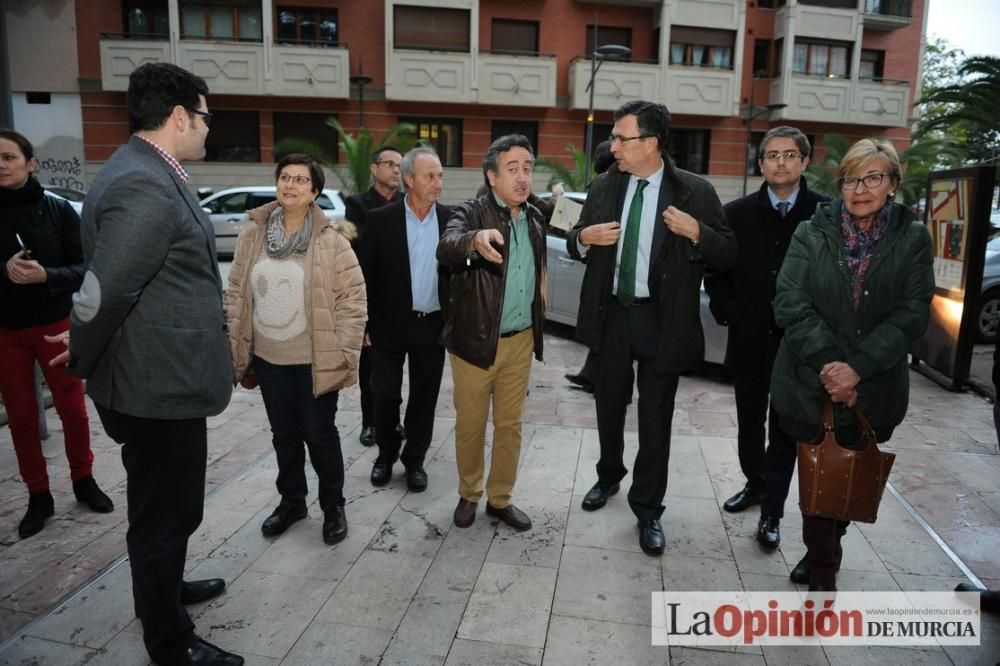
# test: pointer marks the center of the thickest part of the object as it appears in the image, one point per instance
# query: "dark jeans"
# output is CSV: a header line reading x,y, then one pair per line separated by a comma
x,y
426,363
165,467
364,384
296,417
630,335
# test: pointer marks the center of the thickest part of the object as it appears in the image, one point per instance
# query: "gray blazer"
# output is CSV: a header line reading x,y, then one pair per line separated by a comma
x,y
147,329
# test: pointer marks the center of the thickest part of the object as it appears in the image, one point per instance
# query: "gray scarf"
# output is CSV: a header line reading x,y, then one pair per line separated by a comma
x,y
280,246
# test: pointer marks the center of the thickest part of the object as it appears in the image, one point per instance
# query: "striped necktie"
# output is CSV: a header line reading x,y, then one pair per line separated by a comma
x,y
630,247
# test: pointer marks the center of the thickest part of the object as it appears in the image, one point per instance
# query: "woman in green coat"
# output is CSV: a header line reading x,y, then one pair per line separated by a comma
x,y
853,294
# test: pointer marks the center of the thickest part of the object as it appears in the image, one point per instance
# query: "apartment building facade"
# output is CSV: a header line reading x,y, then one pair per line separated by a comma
x,y
466,71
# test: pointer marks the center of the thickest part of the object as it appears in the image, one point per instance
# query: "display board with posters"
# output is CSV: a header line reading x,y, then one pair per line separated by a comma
x,y
957,217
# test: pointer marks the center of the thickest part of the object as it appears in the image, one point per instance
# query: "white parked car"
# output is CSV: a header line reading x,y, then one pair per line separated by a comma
x,y
74,197
566,277
227,210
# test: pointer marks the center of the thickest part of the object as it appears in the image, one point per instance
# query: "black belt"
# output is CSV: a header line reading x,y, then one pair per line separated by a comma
x,y
416,314
642,301
510,334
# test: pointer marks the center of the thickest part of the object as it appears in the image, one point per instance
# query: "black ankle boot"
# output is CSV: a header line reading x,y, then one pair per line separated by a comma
x,y
88,493
40,507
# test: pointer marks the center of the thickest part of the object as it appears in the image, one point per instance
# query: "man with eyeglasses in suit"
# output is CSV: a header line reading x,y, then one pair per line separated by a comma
x,y
647,232
384,190
741,299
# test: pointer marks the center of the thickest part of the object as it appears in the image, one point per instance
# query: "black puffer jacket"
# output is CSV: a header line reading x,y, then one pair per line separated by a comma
x,y
50,227
475,299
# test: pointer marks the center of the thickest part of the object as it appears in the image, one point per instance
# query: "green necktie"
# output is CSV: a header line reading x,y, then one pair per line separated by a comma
x,y
630,248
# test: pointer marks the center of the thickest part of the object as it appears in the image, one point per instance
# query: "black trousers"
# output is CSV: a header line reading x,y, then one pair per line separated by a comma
x,y
165,466
299,420
751,412
779,466
630,336
426,362
364,383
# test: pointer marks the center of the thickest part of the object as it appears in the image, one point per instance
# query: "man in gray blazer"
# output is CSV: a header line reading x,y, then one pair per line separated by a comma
x,y
147,332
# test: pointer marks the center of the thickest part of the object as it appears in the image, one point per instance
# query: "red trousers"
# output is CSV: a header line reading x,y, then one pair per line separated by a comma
x,y
18,352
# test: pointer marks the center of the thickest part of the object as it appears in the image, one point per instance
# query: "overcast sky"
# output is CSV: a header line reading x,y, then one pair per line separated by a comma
x,y
971,25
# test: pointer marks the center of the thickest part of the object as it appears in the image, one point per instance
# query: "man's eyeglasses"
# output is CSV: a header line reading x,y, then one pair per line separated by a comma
x,y
298,180
870,181
775,156
389,164
618,138
205,116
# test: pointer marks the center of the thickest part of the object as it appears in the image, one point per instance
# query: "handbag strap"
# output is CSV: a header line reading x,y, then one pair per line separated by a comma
x,y
866,426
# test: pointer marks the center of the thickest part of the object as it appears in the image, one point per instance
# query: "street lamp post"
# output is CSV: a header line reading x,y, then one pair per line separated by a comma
x,y
752,113
361,80
597,58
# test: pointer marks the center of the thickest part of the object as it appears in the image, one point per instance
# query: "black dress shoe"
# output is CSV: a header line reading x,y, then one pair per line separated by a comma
x,y
381,472
367,436
40,507
282,519
768,533
203,652
198,591
989,600
741,500
87,492
598,496
800,574
511,515
334,525
651,538
582,382
416,479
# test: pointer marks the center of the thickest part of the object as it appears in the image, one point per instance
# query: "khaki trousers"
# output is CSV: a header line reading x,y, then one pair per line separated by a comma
x,y
506,384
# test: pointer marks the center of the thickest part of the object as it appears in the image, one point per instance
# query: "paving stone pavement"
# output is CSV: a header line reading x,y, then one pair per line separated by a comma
x,y
407,587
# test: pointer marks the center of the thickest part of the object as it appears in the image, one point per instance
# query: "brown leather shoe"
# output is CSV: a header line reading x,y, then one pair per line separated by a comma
x,y
511,515
465,513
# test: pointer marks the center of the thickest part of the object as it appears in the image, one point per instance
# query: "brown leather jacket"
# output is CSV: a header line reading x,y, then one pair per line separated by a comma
x,y
336,305
477,286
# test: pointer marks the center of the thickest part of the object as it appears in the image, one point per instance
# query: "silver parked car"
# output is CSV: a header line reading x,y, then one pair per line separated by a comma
x,y
566,278
227,210
988,319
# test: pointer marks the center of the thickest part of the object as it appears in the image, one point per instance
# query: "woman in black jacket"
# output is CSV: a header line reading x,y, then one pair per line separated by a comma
x,y
42,267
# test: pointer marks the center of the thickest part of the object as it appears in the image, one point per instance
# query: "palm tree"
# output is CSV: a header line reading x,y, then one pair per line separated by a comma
x,y
574,178
353,172
821,175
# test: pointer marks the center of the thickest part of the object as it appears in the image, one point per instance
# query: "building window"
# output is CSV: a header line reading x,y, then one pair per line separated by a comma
x,y
872,65
828,59
753,168
776,64
689,149
307,25
231,20
510,36
890,7
146,19
701,47
528,128
608,35
444,136
235,137
310,127
765,4
834,4
430,28
761,58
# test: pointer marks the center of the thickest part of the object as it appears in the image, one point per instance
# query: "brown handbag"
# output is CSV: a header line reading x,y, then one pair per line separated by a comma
x,y
841,483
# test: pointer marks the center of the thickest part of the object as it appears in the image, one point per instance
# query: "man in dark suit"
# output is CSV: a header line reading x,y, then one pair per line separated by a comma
x,y
384,168
407,293
148,334
741,299
646,231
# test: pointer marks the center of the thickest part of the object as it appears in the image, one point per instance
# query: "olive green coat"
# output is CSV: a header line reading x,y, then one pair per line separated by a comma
x,y
813,303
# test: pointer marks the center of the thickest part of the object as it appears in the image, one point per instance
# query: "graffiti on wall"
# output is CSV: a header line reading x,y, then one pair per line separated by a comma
x,y
60,163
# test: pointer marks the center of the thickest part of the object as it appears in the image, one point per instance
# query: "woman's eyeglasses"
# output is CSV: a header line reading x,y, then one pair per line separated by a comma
x,y
870,181
284,179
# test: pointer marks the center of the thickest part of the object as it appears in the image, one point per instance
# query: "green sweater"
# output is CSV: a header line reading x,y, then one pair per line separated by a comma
x,y
813,303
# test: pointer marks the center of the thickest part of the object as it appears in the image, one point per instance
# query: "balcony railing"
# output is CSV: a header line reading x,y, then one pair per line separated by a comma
x,y
903,8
